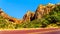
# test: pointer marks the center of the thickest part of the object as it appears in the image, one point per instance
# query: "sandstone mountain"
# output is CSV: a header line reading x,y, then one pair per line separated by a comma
x,y
39,13
45,16
30,16
5,16
43,10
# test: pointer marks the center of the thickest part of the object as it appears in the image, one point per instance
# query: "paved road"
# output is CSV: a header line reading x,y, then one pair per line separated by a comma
x,y
34,31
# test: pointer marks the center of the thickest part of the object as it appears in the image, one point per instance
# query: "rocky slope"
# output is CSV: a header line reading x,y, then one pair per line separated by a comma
x,y
5,16
45,16
39,13
30,16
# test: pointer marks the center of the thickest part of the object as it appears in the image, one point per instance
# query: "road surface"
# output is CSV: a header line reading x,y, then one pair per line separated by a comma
x,y
33,31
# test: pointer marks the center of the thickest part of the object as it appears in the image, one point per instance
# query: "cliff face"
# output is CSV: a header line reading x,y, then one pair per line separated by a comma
x,y
29,16
39,13
43,10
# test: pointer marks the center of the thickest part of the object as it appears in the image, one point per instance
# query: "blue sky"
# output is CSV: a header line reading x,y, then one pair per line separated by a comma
x,y
17,8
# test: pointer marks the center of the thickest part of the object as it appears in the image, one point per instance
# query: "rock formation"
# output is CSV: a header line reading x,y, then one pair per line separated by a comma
x,y
5,16
39,13
42,10
28,16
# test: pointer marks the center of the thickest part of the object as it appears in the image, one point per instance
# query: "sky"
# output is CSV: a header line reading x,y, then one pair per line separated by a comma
x,y
17,8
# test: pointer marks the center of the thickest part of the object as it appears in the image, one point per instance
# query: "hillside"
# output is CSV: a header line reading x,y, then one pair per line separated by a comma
x,y
45,16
